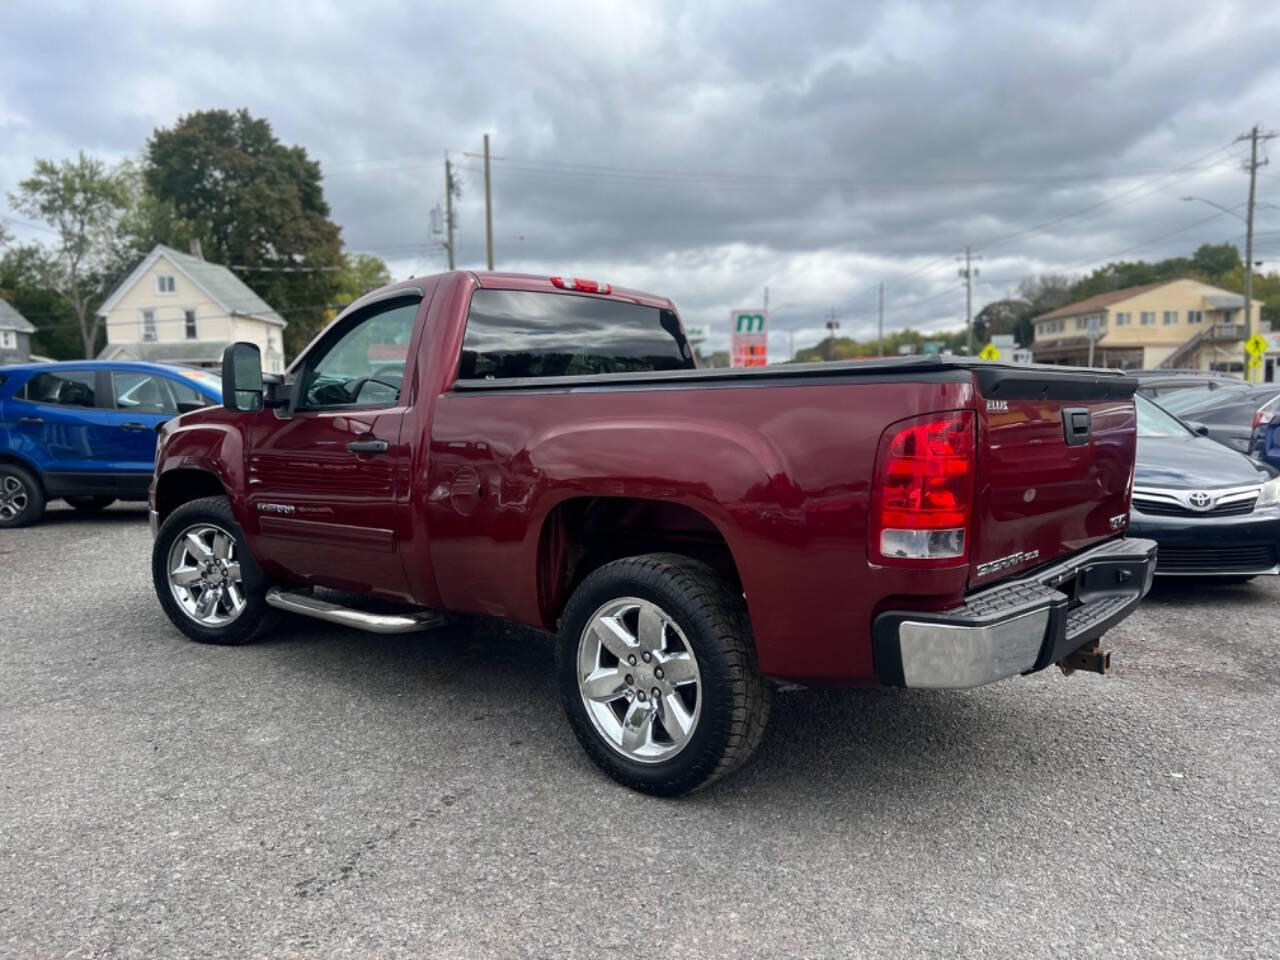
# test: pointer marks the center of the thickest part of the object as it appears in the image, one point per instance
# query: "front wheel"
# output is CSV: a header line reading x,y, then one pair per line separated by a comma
x,y
658,674
205,577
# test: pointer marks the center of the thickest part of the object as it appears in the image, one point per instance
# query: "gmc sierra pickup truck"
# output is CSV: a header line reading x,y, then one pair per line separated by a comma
x,y
545,450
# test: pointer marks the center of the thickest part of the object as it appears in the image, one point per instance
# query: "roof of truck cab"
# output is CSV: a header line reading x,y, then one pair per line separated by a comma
x,y
541,282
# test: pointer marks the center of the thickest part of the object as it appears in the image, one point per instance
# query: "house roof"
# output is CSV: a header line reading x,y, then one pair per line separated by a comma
x,y
1227,301
1098,301
184,351
11,319
221,285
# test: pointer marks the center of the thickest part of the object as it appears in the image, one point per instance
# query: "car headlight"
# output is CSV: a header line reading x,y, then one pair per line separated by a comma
x,y
1270,493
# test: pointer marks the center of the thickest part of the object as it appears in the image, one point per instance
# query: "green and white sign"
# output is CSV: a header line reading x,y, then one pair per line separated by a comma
x,y
749,340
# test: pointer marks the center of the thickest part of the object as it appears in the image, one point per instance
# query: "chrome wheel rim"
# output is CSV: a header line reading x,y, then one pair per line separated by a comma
x,y
204,575
639,680
13,497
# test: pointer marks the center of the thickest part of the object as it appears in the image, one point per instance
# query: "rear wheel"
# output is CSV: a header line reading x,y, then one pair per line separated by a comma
x,y
658,674
21,496
205,577
90,505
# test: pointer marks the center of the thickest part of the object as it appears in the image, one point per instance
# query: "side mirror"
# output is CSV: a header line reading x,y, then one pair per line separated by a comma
x,y
1199,428
242,378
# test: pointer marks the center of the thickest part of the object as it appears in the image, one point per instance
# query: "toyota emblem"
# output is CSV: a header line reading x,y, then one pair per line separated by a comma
x,y
1200,500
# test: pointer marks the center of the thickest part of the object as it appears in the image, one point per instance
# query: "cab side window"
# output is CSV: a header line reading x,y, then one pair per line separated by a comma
x,y
67,388
142,392
363,364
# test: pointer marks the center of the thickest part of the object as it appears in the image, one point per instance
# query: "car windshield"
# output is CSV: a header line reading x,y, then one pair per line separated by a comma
x,y
210,381
1154,422
1184,401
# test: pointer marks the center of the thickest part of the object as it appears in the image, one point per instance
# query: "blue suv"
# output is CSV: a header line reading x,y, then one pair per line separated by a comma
x,y
85,431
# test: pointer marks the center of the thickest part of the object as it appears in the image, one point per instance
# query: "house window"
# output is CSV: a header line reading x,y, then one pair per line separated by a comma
x,y
166,283
1123,319
1195,316
8,339
1148,318
190,316
148,325
1170,317
1082,323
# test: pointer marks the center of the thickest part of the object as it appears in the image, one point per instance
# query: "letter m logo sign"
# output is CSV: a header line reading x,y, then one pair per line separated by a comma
x,y
749,323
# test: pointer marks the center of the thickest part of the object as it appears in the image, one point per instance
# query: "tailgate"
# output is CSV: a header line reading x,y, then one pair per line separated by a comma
x,y
1055,465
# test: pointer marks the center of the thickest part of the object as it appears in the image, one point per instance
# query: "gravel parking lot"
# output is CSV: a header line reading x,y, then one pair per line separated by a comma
x,y
335,793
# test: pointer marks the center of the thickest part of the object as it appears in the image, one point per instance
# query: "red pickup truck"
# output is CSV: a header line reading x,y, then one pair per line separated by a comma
x,y
545,450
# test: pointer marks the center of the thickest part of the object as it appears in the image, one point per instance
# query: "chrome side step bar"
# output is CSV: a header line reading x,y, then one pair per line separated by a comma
x,y
305,603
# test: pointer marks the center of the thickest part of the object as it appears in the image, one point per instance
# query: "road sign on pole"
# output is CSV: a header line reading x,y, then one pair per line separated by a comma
x,y
749,341
1256,346
990,352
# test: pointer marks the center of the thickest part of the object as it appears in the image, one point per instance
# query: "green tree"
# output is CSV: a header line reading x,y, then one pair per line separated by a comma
x,y
1215,259
1012,315
25,270
360,273
251,201
83,201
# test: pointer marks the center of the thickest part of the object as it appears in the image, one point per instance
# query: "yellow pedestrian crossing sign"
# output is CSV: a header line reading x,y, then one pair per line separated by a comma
x,y
990,352
1256,346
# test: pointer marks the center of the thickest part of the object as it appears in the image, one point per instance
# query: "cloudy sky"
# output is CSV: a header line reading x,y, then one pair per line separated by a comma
x,y
704,150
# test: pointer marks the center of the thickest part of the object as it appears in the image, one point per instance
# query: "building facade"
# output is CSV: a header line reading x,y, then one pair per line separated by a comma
x,y
15,335
179,308
1177,323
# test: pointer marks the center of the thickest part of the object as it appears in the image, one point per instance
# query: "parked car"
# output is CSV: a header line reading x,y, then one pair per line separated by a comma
x,y
1266,416
1214,512
1227,415
554,457
84,431
1161,383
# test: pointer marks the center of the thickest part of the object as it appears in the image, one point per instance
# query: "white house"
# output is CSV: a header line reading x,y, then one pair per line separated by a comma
x,y
179,308
15,335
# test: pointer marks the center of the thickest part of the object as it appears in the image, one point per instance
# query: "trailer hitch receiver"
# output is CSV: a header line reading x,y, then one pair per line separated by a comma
x,y
1091,658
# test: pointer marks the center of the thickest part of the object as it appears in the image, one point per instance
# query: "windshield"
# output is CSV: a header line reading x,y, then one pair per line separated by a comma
x,y
1154,422
1185,401
210,381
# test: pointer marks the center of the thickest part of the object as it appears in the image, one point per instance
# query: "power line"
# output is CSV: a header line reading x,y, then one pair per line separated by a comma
x,y
574,168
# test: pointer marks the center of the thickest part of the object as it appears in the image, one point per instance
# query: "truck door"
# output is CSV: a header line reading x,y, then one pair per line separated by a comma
x,y
328,482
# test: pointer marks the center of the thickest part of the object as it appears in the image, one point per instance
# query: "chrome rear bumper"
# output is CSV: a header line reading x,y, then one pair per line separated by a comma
x,y
1019,626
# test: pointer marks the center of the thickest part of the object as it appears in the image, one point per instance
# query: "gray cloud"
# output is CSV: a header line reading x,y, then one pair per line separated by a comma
x,y
705,153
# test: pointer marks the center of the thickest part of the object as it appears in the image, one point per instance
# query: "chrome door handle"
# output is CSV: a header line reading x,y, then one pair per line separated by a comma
x,y
133,426
32,420
368,446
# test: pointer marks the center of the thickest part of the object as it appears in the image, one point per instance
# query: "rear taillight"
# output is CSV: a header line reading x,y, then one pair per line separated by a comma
x,y
1260,416
922,500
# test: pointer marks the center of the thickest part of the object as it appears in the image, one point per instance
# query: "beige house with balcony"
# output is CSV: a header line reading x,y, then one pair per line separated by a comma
x,y
179,308
1176,323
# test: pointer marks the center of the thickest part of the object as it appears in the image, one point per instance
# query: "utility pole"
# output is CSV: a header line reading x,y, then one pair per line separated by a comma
x,y
968,272
448,208
1253,136
832,327
880,313
488,206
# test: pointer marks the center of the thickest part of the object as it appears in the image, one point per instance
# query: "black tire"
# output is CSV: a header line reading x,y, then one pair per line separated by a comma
x,y
735,699
90,505
256,615
22,497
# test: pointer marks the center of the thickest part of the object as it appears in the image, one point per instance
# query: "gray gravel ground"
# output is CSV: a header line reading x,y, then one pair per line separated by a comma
x,y
329,793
